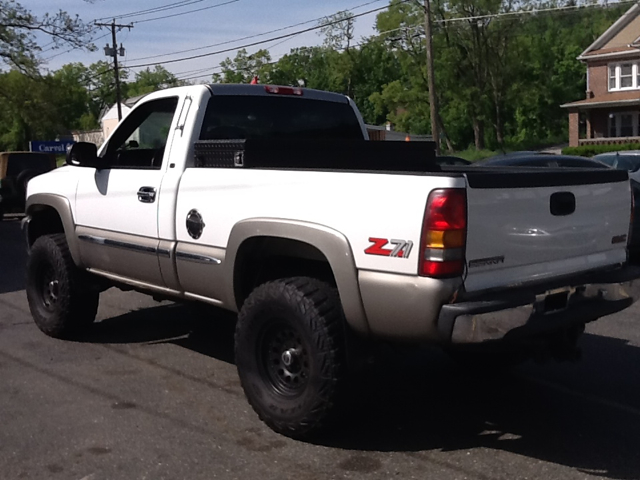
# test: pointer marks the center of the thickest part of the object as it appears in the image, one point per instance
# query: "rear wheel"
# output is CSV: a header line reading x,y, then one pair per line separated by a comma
x,y
289,354
61,300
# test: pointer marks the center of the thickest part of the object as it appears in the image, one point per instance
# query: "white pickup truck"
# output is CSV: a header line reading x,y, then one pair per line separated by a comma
x,y
269,201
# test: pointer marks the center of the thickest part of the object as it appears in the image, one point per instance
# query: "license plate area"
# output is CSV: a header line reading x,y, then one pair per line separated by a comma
x,y
554,301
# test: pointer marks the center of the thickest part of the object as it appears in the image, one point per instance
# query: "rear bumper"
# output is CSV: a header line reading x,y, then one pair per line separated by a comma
x,y
520,313
408,308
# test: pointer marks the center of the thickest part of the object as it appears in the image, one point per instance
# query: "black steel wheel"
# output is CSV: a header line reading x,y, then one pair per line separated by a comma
x,y
289,351
61,299
284,358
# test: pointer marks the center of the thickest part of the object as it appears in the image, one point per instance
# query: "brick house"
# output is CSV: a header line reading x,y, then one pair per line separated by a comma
x,y
610,113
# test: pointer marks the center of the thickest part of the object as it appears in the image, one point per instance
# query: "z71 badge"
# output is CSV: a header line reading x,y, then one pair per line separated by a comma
x,y
401,248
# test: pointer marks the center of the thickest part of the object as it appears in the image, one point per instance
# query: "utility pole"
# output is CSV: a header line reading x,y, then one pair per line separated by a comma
x,y
113,51
433,99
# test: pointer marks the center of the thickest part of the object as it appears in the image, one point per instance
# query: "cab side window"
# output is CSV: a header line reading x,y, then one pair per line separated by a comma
x,y
140,139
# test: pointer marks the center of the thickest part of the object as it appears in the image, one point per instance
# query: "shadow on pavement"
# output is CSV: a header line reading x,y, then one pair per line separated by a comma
x,y
13,255
582,415
203,329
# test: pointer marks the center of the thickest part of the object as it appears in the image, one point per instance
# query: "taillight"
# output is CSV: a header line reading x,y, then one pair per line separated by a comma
x,y
444,233
283,90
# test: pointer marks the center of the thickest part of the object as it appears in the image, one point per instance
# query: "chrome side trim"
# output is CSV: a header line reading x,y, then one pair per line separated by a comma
x,y
137,284
200,298
200,271
118,244
192,257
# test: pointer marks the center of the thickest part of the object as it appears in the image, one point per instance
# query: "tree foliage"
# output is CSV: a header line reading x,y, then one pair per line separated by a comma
x,y
244,67
18,47
501,73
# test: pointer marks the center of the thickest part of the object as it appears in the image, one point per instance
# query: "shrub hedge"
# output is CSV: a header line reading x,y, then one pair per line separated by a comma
x,y
591,150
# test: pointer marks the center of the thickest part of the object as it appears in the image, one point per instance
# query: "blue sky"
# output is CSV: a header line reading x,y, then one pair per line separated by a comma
x,y
225,23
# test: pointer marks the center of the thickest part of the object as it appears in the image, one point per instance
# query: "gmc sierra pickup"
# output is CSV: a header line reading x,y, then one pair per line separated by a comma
x,y
269,201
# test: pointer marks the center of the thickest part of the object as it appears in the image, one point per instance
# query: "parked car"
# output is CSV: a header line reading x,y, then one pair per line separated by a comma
x,y
623,161
535,159
450,160
626,160
16,169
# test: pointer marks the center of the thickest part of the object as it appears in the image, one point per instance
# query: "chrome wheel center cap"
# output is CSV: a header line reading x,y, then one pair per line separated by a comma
x,y
288,356
53,290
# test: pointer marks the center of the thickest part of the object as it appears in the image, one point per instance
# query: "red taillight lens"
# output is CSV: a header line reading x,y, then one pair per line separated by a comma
x,y
447,210
444,233
283,90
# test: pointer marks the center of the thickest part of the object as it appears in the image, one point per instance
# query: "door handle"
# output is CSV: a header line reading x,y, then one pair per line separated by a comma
x,y
147,194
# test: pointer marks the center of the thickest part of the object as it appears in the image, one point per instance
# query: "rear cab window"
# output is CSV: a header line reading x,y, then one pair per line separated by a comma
x,y
278,117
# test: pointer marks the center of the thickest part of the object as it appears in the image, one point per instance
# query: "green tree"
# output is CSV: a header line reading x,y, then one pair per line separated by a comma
x,y
18,46
72,99
244,67
337,30
147,81
101,86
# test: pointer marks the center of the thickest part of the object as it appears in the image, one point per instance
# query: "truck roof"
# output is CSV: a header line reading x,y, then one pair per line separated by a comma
x,y
260,89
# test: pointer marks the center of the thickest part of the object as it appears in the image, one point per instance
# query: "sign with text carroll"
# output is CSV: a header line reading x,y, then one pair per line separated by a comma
x,y
51,146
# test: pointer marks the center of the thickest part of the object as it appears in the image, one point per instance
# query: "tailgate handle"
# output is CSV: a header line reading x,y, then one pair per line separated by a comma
x,y
562,203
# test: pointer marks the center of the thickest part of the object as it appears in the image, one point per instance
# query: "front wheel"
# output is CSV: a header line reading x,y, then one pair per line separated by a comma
x,y
60,300
289,351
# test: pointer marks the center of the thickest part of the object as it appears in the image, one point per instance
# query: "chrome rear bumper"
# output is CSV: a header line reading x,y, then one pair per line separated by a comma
x,y
520,313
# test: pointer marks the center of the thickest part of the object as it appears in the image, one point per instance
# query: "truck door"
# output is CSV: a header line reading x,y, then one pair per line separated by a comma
x,y
117,206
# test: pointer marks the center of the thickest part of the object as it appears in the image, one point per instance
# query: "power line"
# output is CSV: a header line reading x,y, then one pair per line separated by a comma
x,y
532,12
247,37
269,40
69,50
182,3
185,13
277,59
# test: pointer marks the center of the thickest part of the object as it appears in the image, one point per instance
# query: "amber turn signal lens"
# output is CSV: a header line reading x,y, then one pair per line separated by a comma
x,y
445,239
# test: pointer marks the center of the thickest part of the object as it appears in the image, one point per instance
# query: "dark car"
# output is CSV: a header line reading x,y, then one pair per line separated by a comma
x,y
533,159
16,169
450,160
527,159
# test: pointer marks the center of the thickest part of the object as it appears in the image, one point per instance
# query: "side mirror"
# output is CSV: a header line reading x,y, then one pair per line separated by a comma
x,y
84,154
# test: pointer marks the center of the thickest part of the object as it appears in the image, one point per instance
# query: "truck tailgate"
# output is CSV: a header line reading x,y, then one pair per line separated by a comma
x,y
529,226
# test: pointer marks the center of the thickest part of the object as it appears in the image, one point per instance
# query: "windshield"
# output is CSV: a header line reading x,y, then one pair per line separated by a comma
x,y
259,117
630,163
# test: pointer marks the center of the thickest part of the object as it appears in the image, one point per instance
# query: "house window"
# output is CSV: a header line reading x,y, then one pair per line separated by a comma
x,y
624,124
624,76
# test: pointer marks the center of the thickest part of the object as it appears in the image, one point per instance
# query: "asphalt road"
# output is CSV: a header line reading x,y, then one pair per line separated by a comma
x,y
152,393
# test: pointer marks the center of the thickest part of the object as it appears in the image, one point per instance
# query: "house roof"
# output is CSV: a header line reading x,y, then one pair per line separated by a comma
x,y
614,40
616,99
127,104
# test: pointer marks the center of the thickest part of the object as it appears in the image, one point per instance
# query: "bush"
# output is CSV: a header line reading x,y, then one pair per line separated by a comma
x,y
591,150
474,155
